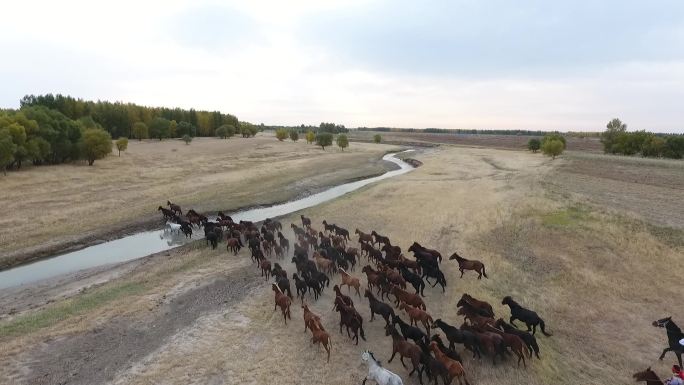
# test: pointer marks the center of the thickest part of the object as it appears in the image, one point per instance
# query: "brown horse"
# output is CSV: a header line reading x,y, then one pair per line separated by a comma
x,y
484,308
306,222
416,314
234,245
325,265
282,301
514,342
265,266
405,349
454,367
467,264
363,237
648,376
492,342
320,336
409,298
475,318
311,319
175,208
350,282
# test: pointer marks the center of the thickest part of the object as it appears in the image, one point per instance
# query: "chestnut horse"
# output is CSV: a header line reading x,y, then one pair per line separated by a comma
x,y
320,336
454,367
350,282
467,264
282,301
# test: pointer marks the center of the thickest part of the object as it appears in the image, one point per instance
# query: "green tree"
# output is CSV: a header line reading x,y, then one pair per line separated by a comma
x,y
139,131
248,129
310,136
7,149
122,144
377,138
173,127
324,139
534,145
653,146
552,148
614,129
674,147
97,143
554,136
342,141
187,139
230,130
159,128
221,132
294,135
281,134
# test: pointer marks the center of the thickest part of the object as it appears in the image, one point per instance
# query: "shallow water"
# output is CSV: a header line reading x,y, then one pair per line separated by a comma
x,y
150,242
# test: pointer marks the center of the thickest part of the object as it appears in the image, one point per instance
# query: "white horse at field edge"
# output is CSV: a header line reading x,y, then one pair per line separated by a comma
x,y
377,373
172,227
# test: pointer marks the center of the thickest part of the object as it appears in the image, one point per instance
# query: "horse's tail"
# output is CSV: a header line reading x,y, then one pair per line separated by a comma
x,y
240,242
541,326
484,272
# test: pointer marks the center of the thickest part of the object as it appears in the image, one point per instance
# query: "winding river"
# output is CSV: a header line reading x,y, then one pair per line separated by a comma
x,y
149,242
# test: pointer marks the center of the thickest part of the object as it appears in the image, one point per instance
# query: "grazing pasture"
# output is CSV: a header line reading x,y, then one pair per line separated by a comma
x,y
48,209
596,274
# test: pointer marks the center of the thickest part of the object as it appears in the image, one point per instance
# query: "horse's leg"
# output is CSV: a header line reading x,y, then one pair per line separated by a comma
x,y
462,272
512,321
394,352
668,349
480,274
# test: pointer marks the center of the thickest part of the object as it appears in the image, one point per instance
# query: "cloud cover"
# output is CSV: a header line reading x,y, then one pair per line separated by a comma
x,y
568,65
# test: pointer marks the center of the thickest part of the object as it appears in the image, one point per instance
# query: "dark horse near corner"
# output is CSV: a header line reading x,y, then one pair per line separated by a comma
x,y
674,335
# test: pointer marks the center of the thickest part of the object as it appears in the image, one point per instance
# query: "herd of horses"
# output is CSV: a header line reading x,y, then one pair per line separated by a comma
x,y
318,256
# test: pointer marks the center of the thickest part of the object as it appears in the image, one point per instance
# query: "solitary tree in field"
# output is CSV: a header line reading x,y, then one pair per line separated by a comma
x,y
121,144
534,145
294,135
324,139
614,129
139,131
187,139
97,143
281,134
342,141
377,138
552,148
310,136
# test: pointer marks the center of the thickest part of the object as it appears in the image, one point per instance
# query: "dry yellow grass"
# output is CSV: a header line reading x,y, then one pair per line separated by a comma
x,y
45,207
597,279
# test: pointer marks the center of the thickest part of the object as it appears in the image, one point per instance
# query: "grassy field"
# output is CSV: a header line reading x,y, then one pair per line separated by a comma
x,y
511,142
597,272
49,208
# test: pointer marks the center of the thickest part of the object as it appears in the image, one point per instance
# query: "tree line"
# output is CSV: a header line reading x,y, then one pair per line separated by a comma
x,y
332,128
617,140
118,118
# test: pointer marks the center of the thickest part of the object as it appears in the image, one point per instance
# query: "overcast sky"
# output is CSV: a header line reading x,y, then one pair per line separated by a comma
x,y
566,65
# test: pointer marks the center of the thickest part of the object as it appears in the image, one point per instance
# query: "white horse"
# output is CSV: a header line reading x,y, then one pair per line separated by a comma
x,y
172,227
377,373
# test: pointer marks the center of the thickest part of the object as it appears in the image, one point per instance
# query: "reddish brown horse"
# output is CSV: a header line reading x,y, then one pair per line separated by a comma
x,y
454,367
409,298
320,336
467,264
175,208
484,308
514,342
350,281
404,348
282,301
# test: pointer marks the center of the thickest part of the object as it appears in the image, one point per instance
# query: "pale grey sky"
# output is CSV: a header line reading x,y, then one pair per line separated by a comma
x,y
567,65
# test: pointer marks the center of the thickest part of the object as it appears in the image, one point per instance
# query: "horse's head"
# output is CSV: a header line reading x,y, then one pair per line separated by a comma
x,y
461,302
646,375
455,256
507,300
661,323
365,356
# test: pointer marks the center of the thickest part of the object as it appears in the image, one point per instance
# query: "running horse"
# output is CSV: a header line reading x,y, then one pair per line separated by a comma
x,y
675,337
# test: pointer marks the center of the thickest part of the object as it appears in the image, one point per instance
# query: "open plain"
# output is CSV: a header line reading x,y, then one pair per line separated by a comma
x,y
592,243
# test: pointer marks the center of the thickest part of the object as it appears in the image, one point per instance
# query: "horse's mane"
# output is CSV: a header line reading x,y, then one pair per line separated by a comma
x,y
674,326
375,359
460,259
512,302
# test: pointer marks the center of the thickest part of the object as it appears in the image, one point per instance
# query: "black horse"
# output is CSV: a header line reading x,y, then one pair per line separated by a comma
x,y
430,271
529,317
458,336
674,335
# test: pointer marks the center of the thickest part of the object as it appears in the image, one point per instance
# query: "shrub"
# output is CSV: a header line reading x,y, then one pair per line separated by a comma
x,y
552,148
377,138
342,141
121,144
534,145
554,136
294,135
310,136
281,134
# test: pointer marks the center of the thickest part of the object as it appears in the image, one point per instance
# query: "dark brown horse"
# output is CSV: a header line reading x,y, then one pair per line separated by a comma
x,y
482,307
648,376
467,264
405,349
363,237
282,301
175,208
